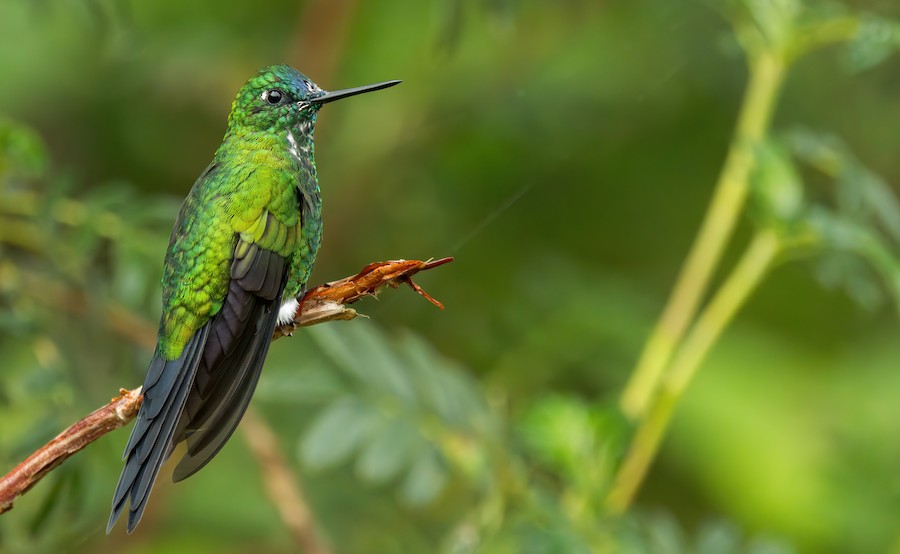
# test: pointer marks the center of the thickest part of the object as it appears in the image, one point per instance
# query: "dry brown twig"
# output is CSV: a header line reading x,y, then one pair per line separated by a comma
x,y
323,303
282,486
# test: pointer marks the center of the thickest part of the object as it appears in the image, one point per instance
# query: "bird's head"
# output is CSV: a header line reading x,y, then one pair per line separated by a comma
x,y
279,98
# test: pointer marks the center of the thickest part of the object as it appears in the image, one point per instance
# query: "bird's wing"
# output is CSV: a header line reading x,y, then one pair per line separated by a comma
x,y
238,341
201,395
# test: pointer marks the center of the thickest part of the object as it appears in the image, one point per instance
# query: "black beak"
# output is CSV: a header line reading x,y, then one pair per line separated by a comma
x,y
338,94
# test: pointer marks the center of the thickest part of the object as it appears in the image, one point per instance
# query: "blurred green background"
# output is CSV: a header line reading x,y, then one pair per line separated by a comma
x,y
564,153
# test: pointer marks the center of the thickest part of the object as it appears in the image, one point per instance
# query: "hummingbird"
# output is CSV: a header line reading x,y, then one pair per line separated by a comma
x,y
239,256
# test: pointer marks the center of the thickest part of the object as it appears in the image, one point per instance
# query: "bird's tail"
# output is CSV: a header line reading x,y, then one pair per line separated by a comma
x,y
165,391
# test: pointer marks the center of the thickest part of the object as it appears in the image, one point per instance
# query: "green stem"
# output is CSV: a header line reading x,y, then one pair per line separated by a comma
x,y
744,279
818,35
766,76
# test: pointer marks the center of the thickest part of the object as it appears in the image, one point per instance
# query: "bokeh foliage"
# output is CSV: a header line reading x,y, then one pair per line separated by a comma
x,y
563,153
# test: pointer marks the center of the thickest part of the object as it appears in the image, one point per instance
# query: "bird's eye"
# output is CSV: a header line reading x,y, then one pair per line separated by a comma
x,y
273,97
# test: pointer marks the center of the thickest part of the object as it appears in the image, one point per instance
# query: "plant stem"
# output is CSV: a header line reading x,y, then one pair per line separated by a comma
x,y
766,77
744,279
283,488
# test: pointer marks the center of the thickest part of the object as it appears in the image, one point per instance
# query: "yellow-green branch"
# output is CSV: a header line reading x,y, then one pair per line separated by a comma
x,y
766,76
747,275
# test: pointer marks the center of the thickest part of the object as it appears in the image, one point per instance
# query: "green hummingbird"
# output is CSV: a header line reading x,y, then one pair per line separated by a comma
x,y
238,259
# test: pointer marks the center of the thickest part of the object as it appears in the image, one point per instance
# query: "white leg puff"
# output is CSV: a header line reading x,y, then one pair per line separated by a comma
x,y
287,311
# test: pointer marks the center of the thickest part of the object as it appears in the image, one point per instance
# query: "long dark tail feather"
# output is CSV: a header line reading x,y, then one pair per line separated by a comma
x,y
165,392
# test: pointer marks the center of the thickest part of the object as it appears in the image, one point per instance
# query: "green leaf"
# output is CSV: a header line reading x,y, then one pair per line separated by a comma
x,y
424,413
384,366
844,237
392,448
777,187
875,40
862,195
661,533
664,535
22,152
312,385
718,537
558,430
363,354
425,480
336,433
871,197
859,230
331,342
442,385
